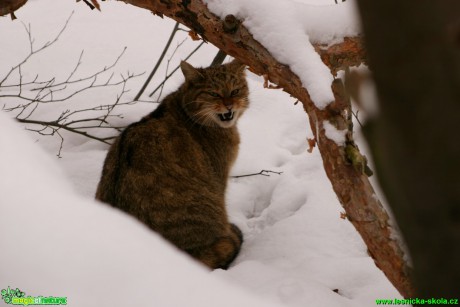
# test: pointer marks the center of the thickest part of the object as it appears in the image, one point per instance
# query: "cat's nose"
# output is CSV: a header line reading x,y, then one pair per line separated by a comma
x,y
228,103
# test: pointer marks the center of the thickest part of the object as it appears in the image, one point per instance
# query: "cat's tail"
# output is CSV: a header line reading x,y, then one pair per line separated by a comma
x,y
223,251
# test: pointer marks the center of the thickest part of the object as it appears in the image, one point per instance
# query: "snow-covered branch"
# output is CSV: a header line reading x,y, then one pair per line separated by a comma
x,y
351,185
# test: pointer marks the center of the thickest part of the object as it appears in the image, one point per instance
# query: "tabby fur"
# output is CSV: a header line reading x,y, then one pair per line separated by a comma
x,y
170,169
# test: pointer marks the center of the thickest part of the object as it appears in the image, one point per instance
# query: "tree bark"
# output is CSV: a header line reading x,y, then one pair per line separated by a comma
x,y
415,59
9,6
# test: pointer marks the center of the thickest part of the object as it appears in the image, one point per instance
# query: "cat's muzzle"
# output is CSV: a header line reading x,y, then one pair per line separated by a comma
x,y
226,116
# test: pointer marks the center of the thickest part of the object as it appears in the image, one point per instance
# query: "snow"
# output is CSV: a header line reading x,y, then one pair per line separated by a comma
x,y
62,244
332,133
58,241
287,29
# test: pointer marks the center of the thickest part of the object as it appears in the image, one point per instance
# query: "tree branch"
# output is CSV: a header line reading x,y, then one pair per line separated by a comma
x,y
25,97
261,173
10,6
56,124
350,184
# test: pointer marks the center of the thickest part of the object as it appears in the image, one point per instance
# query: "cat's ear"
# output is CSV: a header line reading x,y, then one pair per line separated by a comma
x,y
237,66
190,72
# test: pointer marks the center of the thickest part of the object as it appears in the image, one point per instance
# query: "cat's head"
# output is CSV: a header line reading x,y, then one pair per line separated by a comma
x,y
216,96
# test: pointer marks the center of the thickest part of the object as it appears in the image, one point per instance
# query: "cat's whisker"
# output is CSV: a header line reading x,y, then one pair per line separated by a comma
x,y
206,117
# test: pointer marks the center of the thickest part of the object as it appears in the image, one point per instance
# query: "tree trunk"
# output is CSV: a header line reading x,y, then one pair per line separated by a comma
x,y
415,59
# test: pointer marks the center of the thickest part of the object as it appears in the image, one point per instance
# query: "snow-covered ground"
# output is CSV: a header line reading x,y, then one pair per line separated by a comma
x,y
57,241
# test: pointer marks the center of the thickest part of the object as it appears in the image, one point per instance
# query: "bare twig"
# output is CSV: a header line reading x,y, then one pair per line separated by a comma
x,y
55,126
167,66
175,69
31,47
26,96
355,114
261,173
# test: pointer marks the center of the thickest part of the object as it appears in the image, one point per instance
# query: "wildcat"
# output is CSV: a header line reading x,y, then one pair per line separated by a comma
x,y
170,169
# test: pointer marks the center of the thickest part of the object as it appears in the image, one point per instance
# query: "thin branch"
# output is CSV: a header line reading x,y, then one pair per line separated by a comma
x,y
46,124
90,77
32,51
357,119
48,97
160,59
77,66
175,69
167,66
25,97
261,173
219,58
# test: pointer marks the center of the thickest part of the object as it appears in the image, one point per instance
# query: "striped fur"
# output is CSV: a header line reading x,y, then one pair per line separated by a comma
x,y
170,169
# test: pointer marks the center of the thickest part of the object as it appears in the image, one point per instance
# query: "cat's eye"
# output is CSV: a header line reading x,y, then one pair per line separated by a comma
x,y
235,92
213,94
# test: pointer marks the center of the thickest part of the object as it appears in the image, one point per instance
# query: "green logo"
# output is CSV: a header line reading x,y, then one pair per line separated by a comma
x,y
17,297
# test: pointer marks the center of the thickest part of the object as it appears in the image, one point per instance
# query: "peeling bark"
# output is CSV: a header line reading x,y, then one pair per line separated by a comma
x,y
340,56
